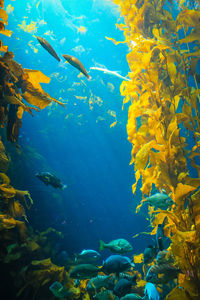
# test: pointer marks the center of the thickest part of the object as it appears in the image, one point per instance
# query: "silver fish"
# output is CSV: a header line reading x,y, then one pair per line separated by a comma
x,y
112,73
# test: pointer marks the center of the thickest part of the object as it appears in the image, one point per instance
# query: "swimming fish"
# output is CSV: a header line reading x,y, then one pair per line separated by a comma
x,y
96,283
61,258
104,295
51,179
58,290
160,200
162,273
151,292
131,297
77,64
116,264
162,241
122,287
120,246
88,256
48,47
84,271
113,73
149,254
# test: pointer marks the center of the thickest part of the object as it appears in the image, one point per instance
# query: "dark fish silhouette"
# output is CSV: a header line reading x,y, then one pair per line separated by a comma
x,y
162,241
77,64
51,179
116,264
84,271
149,254
48,47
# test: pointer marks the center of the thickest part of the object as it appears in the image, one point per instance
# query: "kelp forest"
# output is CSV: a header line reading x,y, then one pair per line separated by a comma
x,y
163,122
163,126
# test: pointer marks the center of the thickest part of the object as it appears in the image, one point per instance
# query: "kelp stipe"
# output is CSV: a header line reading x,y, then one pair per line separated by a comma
x,y
163,116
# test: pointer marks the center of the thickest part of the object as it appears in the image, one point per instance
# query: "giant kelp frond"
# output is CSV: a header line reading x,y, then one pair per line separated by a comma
x,y
163,116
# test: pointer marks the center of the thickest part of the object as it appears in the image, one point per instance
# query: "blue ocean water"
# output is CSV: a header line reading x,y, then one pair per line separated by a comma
x,y
76,143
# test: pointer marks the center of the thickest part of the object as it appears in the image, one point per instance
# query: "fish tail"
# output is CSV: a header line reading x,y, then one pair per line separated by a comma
x,y
101,246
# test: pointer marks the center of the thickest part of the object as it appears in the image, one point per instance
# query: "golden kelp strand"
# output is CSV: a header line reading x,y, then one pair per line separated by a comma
x,y
163,114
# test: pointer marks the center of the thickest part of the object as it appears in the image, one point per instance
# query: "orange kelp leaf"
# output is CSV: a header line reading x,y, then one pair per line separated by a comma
x,y
3,48
35,77
6,222
36,99
19,210
186,236
20,112
7,191
121,26
6,32
159,218
114,41
172,218
188,17
137,177
194,36
141,158
5,179
113,124
178,293
196,53
172,71
138,259
182,191
136,235
139,206
4,16
141,283
190,286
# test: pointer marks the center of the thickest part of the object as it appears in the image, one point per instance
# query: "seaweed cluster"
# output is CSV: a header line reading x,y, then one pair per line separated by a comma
x,y
23,251
163,121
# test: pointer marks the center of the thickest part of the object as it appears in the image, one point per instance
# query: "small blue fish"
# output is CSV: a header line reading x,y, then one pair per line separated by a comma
x,y
116,264
98,282
151,292
149,254
50,179
122,287
131,297
88,255
160,200
58,290
162,241
120,246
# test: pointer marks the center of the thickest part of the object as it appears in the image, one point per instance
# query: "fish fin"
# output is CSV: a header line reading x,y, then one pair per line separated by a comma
x,y
64,187
101,246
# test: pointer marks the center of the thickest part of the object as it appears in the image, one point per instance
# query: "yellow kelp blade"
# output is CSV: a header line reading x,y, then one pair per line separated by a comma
x,y
36,77
3,48
181,192
138,259
4,16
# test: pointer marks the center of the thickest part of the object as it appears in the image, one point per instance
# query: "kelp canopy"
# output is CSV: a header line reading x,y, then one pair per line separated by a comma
x,y
163,120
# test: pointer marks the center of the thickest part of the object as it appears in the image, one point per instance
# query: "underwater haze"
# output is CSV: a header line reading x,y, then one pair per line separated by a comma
x,y
77,143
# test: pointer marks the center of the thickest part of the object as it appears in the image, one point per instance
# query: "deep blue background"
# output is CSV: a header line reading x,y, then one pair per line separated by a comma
x,y
89,156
